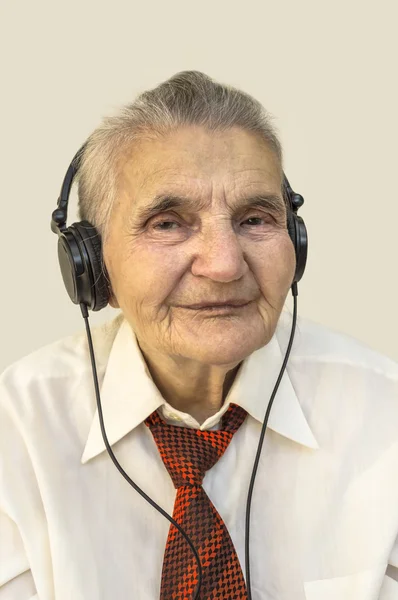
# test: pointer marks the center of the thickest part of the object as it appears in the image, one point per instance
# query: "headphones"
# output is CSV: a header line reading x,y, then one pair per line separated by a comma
x,y
80,247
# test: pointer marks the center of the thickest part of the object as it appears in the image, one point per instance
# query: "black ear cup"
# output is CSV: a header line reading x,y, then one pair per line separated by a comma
x,y
296,228
291,228
80,259
91,240
298,234
301,246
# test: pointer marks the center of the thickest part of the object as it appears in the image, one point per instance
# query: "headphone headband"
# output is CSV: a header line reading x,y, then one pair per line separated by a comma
x,y
60,214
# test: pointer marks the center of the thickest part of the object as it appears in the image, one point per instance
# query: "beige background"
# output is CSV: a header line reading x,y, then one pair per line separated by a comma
x,y
325,70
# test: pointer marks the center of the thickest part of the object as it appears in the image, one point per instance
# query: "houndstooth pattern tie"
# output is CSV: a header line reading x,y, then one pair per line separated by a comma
x,y
187,454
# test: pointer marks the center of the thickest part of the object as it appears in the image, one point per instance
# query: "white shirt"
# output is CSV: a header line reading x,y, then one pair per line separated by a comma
x,y
325,505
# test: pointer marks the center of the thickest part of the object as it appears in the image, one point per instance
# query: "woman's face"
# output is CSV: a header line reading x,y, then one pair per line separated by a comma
x,y
208,243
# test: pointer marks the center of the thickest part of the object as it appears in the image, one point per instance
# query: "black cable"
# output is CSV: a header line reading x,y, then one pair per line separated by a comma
x,y
84,310
260,445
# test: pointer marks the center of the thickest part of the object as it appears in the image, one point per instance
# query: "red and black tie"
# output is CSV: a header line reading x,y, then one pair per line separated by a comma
x,y
187,454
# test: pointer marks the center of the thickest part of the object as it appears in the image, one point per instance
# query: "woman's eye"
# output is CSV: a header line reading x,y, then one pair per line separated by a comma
x,y
265,219
159,225
253,219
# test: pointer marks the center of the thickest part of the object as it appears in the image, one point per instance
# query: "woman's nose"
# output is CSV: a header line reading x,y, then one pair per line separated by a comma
x,y
218,254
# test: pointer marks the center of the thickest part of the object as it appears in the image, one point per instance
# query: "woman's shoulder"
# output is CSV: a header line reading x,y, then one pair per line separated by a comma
x,y
315,342
64,360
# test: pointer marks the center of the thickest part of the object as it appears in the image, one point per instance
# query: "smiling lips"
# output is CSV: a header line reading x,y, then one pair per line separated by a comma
x,y
218,305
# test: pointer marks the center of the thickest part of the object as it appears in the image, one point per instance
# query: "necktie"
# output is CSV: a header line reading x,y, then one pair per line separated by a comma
x,y
187,454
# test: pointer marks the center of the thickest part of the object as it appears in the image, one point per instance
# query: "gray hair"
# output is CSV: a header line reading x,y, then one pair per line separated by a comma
x,y
187,98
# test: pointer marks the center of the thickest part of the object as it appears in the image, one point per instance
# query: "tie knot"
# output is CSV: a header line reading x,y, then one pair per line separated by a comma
x,y
188,453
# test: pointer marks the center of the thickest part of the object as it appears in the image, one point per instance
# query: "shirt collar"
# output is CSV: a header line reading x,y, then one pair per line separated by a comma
x,y
129,395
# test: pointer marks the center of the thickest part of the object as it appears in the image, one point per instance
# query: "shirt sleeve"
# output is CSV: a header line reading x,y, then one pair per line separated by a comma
x,y
16,581
389,589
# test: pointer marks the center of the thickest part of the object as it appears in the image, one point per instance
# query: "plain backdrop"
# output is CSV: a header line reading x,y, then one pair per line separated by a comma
x,y
327,71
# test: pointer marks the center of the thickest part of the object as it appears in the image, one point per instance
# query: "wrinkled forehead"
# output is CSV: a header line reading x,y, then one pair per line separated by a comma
x,y
195,161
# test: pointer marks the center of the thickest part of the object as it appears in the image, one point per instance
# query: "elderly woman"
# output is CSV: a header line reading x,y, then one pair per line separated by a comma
x,y
184,189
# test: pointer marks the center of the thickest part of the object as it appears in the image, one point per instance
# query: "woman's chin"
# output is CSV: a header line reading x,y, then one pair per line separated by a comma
x,y
224,345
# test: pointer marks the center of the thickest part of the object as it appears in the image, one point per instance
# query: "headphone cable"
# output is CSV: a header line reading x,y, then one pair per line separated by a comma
x,y
260,445
84,310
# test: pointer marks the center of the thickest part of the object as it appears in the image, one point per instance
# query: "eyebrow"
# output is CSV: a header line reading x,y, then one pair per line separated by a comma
x,y
164,202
